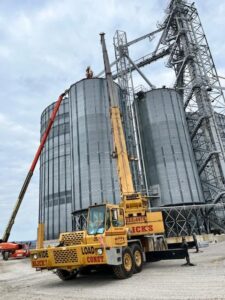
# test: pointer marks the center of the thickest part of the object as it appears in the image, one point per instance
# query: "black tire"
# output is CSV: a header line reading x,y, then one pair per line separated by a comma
x,y
138,257
5,255
126,269
66,275
85,271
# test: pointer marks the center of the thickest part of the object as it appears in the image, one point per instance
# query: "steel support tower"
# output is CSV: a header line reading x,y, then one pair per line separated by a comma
x,y
198,82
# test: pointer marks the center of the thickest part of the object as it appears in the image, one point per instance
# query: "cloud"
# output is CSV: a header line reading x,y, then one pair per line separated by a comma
x,y
45,47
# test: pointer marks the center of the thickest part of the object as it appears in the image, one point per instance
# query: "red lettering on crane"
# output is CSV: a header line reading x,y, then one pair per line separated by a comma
x,y
94,259
139,229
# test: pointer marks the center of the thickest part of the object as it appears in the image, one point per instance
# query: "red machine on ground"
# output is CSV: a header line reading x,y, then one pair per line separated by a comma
x,y
14,250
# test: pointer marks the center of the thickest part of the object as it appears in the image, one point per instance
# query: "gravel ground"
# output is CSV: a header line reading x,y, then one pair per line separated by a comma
x,y
158,280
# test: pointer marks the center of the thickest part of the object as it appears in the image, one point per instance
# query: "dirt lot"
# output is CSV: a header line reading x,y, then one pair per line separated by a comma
x,y
159,280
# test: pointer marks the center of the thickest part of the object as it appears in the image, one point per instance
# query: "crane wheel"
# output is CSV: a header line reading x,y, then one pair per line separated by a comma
x,y
85,271
66,275
138,257
5,255
126,269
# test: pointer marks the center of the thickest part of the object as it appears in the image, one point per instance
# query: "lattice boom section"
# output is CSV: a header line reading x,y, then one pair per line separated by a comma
x,y
72,238
65,256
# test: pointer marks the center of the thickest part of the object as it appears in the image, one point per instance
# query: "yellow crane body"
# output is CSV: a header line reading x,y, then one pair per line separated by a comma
x,y
81,249
123,165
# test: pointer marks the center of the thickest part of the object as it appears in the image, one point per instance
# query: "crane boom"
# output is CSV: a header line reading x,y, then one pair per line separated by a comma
x,y
123,165
31,170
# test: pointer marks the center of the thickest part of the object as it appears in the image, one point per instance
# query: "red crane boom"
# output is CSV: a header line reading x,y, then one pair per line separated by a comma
x,y
31,170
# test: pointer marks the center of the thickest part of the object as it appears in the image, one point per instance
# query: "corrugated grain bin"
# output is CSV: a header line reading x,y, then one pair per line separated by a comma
x,y
94,173
167,150
55,174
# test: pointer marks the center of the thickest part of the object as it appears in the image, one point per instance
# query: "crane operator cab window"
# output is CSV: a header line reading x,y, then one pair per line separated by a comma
x,y
114,217
96,220
117,217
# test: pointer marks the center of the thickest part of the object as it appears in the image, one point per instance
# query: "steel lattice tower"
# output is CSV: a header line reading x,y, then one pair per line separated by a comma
x,y
198,82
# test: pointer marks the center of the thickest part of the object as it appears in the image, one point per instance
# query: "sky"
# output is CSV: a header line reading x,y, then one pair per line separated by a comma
x,y
45,46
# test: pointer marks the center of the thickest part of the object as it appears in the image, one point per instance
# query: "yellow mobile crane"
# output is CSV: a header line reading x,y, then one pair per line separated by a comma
x,y
123,235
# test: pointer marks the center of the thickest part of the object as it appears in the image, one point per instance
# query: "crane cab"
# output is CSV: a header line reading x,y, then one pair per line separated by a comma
x,y
106,223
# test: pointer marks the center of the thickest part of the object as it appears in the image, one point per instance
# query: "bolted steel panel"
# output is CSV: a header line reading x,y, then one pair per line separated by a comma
x,y
94,173
167,150
55,203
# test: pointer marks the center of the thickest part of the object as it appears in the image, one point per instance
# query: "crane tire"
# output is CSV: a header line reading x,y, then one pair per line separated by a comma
x,y
66,275
85,271
5,255
138,257
126,269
